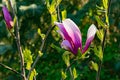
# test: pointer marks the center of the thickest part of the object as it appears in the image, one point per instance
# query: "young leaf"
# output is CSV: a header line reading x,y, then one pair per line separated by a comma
x,y
66,58
75,73
64,14
9,6
98,52
64,76
40,53
83,56
94,66
41,35
100,34
52,9
28,58
14,21
79,54
100,22
56,48
32,75
99,7
53,18
39,31
107,19
105,4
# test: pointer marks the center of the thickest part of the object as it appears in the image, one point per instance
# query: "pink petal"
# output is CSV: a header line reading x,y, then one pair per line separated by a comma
x,y
91,31
78,41
69,24
74,32
7,17
66,45
90,36
62,31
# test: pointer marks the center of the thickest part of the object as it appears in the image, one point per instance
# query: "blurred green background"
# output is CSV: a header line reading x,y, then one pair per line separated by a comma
x,y
34,15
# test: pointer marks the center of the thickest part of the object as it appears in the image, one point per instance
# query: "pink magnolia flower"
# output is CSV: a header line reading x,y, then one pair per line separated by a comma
x,y
7,17
72,39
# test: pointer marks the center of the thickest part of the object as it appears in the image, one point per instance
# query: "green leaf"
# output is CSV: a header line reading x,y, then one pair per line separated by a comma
x,y
28,58
58,2
52,9
32,75
79,54
100,34
56,48
75,73
66,58
13,4
8,3
100,22
29,7
40,53
39,31
64,76
98,52
83,56
64,14
99,7
14,23
105,4
107,19
53,18
41,35
94,66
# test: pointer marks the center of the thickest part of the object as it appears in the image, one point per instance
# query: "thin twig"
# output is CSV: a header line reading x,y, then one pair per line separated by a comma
x,y
20,49
11,69
103,44
100,63
17,39
71,74
109,5
41,48
58,14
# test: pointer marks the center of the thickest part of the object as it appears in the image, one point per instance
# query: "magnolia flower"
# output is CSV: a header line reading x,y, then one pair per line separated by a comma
x,y
7,17
72,39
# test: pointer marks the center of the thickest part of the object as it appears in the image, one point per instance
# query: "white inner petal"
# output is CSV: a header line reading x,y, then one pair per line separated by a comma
x,y
91,31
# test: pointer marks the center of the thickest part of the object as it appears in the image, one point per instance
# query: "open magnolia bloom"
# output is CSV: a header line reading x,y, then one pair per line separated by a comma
x,y
72,39
7,17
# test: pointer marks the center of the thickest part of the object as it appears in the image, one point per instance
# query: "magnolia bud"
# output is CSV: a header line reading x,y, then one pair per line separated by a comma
x,y
7,17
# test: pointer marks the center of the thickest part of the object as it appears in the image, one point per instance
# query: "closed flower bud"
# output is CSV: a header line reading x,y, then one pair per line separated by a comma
x,y
7,17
